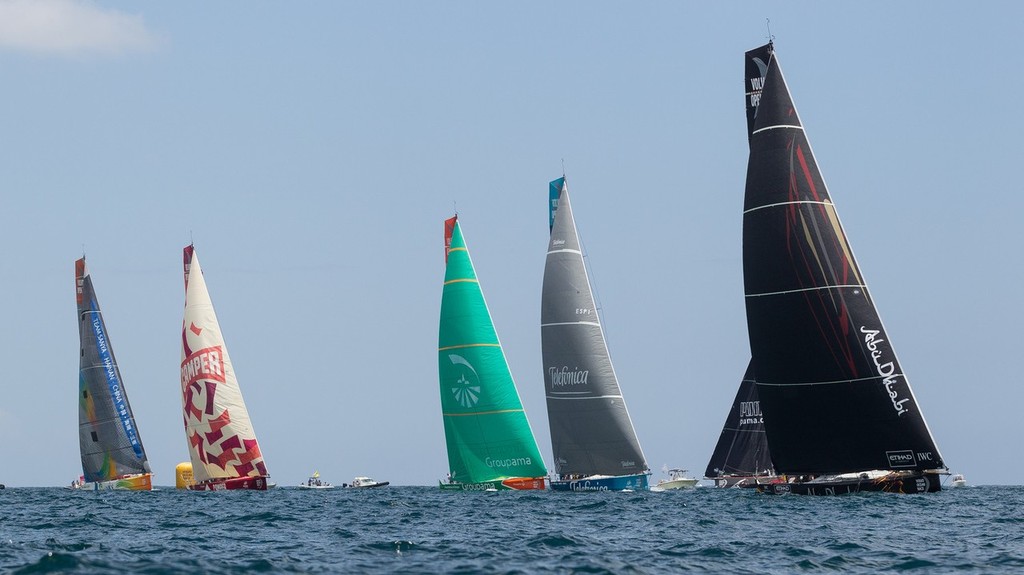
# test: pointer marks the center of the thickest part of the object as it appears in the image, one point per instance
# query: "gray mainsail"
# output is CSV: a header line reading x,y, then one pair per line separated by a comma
x,y
110,442
591,432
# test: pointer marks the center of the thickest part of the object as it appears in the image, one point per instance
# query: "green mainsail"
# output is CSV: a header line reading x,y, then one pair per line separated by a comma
x,y
489,438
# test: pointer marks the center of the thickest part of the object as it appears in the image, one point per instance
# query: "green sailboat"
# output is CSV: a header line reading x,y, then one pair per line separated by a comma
x,y
490,443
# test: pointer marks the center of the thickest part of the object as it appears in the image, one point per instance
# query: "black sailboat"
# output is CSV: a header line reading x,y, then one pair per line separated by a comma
x,y
839,413
741,456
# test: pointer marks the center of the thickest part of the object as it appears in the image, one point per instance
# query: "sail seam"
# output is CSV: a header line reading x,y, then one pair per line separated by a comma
x,y
565,250
594,397
805,290
777,126
894,375
483,412
471,280
775,205
594,323
465,345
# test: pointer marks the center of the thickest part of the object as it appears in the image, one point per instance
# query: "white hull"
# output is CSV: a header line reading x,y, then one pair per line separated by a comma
x,y
684,483
365,482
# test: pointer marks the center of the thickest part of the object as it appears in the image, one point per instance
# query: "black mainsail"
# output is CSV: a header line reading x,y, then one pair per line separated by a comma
x,y
742,449
834,396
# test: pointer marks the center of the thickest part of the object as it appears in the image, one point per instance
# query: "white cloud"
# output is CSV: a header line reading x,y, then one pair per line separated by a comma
x,y
70,27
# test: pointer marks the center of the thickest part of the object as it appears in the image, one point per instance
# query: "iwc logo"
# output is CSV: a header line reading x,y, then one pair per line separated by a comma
x,y
466,388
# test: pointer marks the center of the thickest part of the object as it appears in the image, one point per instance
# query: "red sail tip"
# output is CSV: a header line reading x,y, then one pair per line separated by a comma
x,y
79,279
449,229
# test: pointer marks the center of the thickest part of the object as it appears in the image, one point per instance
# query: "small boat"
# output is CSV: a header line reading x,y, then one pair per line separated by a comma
x,y
314,482
362,482
741,456
490,442
594,444
111,447
959,480
839,413
677,479
221,442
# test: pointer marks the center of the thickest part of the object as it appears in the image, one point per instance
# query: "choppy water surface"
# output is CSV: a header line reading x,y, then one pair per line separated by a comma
x,y
420,529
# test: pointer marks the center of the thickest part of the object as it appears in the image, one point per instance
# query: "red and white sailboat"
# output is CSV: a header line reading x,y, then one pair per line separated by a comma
x,y
221,440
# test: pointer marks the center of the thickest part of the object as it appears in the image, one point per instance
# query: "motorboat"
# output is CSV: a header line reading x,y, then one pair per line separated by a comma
x,y
677,479
366,482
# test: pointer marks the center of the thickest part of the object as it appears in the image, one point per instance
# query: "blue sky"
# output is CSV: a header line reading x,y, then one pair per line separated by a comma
x,y
312,151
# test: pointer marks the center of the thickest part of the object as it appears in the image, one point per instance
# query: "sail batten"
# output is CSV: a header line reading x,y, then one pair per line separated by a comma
x,y
834,396
784,204
778,127
835,382
592,433
558,323
804,290
587,398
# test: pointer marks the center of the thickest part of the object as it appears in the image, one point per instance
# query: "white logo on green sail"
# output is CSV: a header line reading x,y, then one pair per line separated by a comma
x,y
467,387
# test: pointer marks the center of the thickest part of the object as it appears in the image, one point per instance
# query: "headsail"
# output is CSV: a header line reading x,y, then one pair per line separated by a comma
x,y
487,432
742,448
110,443
591,431
221,441
833,394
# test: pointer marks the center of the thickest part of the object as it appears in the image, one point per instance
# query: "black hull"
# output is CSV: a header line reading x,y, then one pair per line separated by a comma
x,y
911,483
729,481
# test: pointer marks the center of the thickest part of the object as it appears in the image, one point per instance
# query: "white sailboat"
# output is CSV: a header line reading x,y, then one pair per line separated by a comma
x,y
221,440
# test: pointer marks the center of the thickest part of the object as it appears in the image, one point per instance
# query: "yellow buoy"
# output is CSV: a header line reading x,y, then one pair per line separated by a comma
x,y
183,475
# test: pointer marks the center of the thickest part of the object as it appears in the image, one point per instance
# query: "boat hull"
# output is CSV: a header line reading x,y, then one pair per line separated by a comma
x,y
258,483
140,482
510,484
369,485
892,483
741,480
671,484
636,482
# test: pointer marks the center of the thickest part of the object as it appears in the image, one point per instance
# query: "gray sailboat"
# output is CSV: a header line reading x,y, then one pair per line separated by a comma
x,y
111,447
592,437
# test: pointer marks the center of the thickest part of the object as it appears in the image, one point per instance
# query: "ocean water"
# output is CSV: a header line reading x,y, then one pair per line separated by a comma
x,y
422,530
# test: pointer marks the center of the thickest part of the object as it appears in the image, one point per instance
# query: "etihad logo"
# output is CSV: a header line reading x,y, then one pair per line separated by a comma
x,y
904,458
466,388
562,377
205,364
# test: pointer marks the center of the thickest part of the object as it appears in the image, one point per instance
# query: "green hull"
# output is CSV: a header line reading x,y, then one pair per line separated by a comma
x,y
484,486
